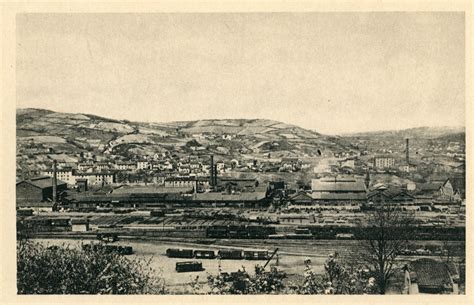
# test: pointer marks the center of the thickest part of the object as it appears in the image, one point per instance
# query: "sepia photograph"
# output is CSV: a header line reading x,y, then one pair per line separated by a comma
x,y
240,153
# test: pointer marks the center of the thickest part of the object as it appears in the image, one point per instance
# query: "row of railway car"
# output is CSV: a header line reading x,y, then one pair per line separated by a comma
x,y
222,254
240,231
331,232
420,232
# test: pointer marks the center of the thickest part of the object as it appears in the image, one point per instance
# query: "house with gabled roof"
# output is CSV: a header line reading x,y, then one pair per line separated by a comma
x,y
430,276
301,198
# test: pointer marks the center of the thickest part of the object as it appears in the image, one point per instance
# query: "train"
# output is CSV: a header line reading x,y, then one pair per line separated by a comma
x,y
240,231
330,232
40,224
222,254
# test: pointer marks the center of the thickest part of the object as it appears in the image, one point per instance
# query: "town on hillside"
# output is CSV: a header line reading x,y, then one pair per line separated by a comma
x,y
215,196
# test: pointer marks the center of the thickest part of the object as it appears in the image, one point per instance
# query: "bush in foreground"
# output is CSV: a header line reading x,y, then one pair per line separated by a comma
x,y
63,270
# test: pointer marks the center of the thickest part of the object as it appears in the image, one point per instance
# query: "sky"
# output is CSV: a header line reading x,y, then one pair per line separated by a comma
x,y
330,72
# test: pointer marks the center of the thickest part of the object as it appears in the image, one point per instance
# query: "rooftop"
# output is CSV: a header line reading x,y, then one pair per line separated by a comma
x,y
338,185
42,182
431,274
150,190
246,196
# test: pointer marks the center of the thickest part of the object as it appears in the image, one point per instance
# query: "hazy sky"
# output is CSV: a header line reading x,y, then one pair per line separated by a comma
x,y
331,72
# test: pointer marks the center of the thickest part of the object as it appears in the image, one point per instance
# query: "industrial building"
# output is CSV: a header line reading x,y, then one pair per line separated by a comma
x,y
339,192
38,192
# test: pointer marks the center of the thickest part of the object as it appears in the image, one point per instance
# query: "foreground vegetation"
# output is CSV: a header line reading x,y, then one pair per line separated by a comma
x,y
64,270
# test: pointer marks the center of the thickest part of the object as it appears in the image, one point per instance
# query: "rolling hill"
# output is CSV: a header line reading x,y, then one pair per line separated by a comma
x,y
73,132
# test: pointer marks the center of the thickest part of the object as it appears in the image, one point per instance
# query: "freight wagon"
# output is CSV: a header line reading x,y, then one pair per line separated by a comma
x,y
230,254
181,253
24,212
44,224
189,266
255,254
209,254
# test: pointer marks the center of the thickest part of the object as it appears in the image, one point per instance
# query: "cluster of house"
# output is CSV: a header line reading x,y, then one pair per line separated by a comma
x,y
339,192
162,165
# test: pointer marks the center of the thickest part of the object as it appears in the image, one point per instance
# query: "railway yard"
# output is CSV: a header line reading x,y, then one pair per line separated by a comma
x,y
151,235
291,255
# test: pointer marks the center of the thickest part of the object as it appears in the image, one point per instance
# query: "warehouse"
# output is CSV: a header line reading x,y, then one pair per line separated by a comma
x,y
339,193
143,197
37,192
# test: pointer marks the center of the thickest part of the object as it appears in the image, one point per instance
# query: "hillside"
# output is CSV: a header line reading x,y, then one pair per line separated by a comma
x,y
418,133
74,133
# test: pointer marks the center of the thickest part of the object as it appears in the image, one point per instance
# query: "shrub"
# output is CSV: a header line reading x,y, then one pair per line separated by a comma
x,y
64,270
261,283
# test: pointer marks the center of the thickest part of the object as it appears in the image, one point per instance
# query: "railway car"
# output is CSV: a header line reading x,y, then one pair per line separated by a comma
x,y
181,253
189,266
108,237
24,212
256,254
208,254
216,232
277,236
230,254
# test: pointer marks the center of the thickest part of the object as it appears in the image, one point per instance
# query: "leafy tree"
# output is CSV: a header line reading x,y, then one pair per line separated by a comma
x,y
64,270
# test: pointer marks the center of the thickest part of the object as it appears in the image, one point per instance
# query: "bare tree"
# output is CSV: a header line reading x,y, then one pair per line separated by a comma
x,y
387,231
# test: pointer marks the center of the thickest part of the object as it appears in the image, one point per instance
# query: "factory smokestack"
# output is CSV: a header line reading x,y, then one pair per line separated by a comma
x,y
408,152
215,175
212,172
55,182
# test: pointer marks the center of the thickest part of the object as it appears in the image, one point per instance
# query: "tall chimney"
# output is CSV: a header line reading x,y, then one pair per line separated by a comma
x,y
212,171
408,152
367,180
55,181
215,175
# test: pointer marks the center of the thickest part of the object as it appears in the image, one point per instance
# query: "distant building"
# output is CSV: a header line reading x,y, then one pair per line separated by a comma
x,y
143,164
237,184
96,178
385,195
81,185
300,200
37,192
101,166
85,166
71,176
347,192
384,162
180,182
349,162
66,175
247,199
453,189
125,166
431,188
